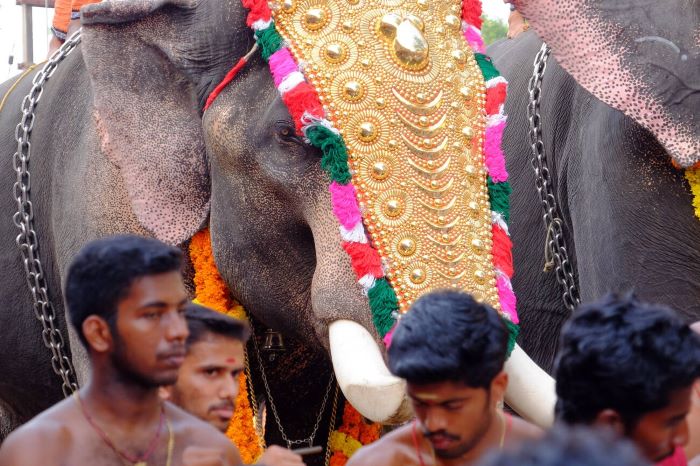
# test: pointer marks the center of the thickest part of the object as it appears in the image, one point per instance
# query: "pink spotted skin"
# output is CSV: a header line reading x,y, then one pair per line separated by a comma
x,y
640,57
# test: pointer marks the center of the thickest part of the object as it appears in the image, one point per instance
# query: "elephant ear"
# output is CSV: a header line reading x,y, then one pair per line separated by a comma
x,y
151,63
640,57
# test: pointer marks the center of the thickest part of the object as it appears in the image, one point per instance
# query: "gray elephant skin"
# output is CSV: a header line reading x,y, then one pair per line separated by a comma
x,y
628,212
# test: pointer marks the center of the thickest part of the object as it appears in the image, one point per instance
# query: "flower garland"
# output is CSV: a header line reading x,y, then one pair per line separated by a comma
x,y
693,177
211,291
310,119
351,436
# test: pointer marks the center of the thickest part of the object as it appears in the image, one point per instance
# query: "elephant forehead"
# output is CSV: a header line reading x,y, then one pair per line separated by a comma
x,y
407,95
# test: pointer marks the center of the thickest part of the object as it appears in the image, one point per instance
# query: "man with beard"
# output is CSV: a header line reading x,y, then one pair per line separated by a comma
x,y
126,299
207,384
450,349
629,366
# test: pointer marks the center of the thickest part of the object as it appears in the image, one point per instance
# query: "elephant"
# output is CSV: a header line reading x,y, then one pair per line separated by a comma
x,y
617,69
120,144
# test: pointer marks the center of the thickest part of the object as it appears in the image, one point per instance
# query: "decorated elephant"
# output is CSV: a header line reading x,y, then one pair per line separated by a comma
x,y
619,102
390,107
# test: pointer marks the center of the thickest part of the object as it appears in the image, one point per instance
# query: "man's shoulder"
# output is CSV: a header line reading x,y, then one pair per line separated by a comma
x,y
393,448
524,430
44,437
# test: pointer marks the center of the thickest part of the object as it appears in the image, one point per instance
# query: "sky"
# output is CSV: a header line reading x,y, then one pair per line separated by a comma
x,y
11,31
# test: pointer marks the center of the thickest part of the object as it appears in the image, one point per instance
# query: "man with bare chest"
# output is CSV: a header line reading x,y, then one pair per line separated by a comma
x,y
125,298
451,350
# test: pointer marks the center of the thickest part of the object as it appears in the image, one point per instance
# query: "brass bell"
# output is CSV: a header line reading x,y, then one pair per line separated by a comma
x,y
274,344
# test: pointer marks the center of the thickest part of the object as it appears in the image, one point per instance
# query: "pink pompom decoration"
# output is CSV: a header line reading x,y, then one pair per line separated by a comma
x,y
281,65
507,298
345,205
494,158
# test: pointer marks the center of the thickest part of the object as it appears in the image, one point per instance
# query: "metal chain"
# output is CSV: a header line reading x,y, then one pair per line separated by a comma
x,y
310,439
27,240
556,254
331,427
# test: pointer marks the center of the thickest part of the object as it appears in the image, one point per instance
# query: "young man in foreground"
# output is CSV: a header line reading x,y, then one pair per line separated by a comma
x,y
629,366
207,384
126,299
451,350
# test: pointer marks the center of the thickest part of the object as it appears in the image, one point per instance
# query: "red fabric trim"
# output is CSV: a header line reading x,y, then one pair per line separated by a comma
x,y
225,82
258,10
364,259
302,99
502,250
471,12
495,96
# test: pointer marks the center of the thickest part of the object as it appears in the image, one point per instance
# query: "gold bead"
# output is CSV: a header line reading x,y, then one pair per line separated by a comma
x,y
335,53
380,171
422,4
368,132
393,208
459,56
353,91
465,91
480,276
477,244
468,132
470,169
288,6
452,21
473,205
406,247
442,220
421,97
423,121
315,19
393,143
365,62
417,276
381,103
348,26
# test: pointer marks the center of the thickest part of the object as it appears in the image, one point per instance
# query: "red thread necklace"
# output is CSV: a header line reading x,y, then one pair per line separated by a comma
x,y
136,460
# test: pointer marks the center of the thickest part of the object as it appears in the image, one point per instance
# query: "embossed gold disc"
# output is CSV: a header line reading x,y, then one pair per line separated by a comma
x,y
401,84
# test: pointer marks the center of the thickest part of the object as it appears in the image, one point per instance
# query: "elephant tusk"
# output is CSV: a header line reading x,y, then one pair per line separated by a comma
x,y
531,391
363,376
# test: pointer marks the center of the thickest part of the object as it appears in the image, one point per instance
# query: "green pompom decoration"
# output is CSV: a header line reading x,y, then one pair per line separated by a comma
x,y
269,41
335,155
487,69
499,195
383,303
513,332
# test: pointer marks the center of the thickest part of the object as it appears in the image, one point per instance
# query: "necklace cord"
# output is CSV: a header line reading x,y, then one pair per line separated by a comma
x,y
105,438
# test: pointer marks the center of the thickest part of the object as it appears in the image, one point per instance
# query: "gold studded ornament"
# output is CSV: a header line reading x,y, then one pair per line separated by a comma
x,y
402,85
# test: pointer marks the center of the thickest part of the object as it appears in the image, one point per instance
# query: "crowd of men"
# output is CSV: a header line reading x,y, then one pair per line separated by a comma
x,y
164,377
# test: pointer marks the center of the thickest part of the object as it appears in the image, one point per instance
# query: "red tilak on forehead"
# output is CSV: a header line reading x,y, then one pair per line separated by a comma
x,y
231,360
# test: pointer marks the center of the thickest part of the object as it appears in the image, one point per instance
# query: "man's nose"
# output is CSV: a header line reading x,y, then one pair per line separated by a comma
x,y
681,436
176,327
229,388
434,421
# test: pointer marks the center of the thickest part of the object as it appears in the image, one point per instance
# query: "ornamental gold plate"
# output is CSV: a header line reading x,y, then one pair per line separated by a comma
x,y
401,84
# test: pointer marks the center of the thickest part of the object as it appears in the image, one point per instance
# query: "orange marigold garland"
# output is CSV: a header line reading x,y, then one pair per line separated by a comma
x,y
353,434
211,291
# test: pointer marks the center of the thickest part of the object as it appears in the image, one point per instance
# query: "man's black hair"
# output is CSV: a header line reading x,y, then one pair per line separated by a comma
x,y
622,354
203,321
102,273
449,336
571,447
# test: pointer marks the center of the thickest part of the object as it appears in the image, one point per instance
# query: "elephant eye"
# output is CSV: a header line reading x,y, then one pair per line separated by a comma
x,y
284,130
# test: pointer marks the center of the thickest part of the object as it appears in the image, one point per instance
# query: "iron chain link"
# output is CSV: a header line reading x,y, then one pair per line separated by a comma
x,y
27,240
556,254
290,442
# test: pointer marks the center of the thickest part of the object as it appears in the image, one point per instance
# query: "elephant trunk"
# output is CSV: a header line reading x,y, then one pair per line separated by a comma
x,y
364,377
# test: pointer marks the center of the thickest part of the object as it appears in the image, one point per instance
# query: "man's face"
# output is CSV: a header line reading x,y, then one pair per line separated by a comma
x,y
659,432
452,416
208,382
150,330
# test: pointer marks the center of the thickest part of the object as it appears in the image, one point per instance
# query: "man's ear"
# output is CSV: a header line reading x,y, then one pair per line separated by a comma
x,y
611,419
499,384
165,392
97,333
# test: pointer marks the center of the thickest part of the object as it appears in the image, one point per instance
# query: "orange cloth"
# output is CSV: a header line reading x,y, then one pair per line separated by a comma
x,y
62,11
